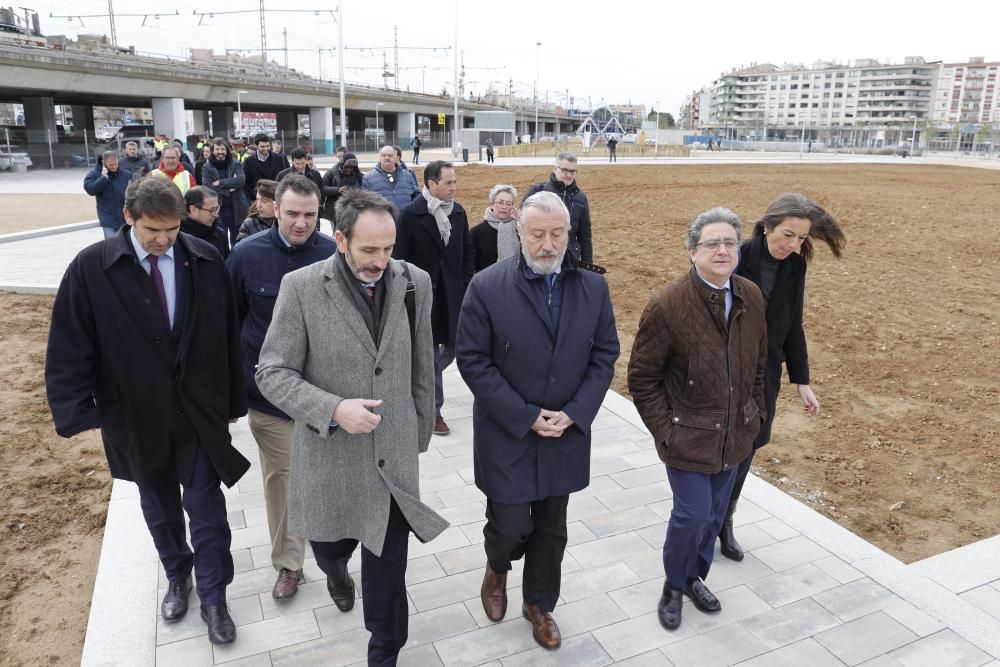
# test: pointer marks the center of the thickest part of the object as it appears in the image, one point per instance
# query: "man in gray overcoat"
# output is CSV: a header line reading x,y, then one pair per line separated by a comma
x,y
349,357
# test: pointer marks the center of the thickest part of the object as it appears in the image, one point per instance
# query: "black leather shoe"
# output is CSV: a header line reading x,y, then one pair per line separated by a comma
x,y
702,597
669,609
221,629
341,586
731,549
175,602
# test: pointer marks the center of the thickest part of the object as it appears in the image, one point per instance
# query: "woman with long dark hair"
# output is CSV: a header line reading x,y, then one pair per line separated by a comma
x,y
775,259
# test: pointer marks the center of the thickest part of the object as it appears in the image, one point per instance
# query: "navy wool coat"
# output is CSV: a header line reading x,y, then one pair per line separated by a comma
x,y
112,363
418,241
516,363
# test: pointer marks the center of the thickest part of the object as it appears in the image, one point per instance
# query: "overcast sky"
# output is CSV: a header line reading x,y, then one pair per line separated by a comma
x,y
595,50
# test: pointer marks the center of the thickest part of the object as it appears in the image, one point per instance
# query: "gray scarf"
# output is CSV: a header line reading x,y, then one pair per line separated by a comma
x,y
508,242
440,210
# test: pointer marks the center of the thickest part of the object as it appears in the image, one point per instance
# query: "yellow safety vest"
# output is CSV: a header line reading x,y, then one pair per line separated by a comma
x,y
182,179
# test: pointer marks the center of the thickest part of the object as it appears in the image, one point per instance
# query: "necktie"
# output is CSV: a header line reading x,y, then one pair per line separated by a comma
x,y
370,293
154,273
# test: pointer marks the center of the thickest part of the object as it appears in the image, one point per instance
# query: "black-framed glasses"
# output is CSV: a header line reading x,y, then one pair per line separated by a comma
x,y
213,210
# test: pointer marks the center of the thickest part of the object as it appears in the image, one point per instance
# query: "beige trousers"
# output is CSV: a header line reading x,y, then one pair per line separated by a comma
x,y
274,440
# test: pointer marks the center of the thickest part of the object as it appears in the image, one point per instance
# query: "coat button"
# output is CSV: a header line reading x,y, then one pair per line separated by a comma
x,y
552,378
261,290
378,370
157,340
677,419
690,381
718,426
148,302
381,463
548,346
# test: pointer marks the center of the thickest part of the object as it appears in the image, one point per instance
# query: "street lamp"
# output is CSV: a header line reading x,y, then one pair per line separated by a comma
x,y
657,152
239,113
913,137
377,105
538,49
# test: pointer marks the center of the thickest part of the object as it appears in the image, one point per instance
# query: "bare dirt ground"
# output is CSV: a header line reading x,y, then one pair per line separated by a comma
x,y
904,352
24,212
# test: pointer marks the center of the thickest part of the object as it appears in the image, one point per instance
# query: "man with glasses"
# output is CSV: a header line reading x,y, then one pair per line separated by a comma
x,y
696,376
202,207
563,183
397,185
257,266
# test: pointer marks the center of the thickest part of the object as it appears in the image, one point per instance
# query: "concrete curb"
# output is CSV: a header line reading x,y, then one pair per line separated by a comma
x,y
29,289
48,231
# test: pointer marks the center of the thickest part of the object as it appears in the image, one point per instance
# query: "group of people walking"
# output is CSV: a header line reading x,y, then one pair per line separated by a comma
x,y
336,349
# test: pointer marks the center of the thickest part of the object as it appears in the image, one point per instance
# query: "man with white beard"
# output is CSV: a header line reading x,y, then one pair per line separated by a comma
x,y
537,346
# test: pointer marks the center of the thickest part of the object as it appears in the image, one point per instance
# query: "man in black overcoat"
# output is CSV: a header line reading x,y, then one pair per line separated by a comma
x,y
144,345
537,346
433,233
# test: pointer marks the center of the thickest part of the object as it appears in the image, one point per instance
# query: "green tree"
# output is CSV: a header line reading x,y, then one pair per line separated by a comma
x,y
666,119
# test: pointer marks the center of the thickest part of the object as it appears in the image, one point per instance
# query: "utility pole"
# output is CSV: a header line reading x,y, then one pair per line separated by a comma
x,y
111,18
263,37
395,55
340,61
284,36
538,49
454,136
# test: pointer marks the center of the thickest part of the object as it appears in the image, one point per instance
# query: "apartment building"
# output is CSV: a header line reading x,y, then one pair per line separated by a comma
x,y
866,103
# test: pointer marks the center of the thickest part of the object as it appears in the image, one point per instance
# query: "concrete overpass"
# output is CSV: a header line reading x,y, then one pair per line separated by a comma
x,y
42,77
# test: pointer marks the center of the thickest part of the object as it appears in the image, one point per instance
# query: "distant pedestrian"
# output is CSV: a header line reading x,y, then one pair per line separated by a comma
x,y
612,150
300,166
489,151
262,214
171,169
563,183
204,153
133,161
107,183
416,144
388,180
338,181
262,164
225,175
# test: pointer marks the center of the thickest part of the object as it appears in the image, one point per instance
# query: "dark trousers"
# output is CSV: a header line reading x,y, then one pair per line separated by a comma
x,y
443,356
227,219
536,531
164,502
700,503
741,476
416,156
489,157
613,155
383,586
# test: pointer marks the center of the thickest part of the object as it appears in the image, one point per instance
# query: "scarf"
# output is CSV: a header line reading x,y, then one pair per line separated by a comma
x,y
440,210
508,242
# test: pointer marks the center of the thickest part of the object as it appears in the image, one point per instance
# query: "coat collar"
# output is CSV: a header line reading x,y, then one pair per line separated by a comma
x,y
395,291
120,245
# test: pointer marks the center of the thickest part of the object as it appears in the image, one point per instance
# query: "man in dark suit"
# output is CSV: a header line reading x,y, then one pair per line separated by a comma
x,y
144,345
433,233
537,346
261,164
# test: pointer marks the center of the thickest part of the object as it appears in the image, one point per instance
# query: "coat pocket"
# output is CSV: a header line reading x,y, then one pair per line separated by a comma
x,y
696,436
750,417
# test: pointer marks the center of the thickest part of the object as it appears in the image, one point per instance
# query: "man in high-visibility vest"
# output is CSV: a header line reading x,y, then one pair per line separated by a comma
x,y
170,168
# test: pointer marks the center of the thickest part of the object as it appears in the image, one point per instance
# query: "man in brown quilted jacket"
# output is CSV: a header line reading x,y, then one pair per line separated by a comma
x,y
696,376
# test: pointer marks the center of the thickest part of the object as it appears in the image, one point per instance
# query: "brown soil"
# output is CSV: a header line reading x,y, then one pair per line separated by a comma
x,y
24,212
904,349
53,502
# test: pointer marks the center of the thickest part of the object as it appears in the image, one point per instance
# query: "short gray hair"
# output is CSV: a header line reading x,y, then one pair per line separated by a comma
x,y
546,202
131,143
500,187
566,155
717,214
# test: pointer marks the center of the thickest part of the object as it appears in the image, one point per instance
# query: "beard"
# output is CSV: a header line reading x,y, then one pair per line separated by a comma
x,y
375,273
544,262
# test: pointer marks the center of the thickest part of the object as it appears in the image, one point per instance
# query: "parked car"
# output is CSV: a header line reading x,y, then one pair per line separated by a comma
x,y
11,161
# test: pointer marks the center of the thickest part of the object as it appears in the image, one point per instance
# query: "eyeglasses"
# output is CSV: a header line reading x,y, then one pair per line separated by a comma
x,y
503,204
213,210
715,244
564,170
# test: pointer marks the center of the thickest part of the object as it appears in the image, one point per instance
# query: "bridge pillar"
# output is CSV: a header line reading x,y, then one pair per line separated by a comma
x,y
288,129
406,128
222,121
83,117
200,122
39,117
321,130
169,117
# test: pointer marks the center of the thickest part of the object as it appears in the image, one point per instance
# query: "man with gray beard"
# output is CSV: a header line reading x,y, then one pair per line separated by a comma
x,y
537,346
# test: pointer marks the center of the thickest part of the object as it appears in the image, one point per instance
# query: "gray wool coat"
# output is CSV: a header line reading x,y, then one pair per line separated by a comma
x,y
317,352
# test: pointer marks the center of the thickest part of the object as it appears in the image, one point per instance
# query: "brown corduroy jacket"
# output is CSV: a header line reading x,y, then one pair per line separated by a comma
x,y
697,381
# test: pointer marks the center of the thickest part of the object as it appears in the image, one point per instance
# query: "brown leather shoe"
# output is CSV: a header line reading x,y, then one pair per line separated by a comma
x,y
494,594
287,584
543,626
441,426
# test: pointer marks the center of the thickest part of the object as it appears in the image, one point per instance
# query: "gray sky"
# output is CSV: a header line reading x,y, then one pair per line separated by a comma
x,y
595,50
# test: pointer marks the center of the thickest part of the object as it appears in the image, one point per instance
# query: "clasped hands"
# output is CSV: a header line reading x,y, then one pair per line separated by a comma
x,y
354,416
551,424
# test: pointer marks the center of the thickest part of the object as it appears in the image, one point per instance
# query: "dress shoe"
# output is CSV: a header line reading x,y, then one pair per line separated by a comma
x,y
221,629
494,594
730,548
341,586
670,607
175,602
702,597
287,584
441,427
543,626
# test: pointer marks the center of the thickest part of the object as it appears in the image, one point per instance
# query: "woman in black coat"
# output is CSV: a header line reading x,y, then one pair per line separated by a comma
x,y
345,176
775,259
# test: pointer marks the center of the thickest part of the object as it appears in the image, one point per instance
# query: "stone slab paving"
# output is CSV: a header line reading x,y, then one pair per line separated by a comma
x,y
808,592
